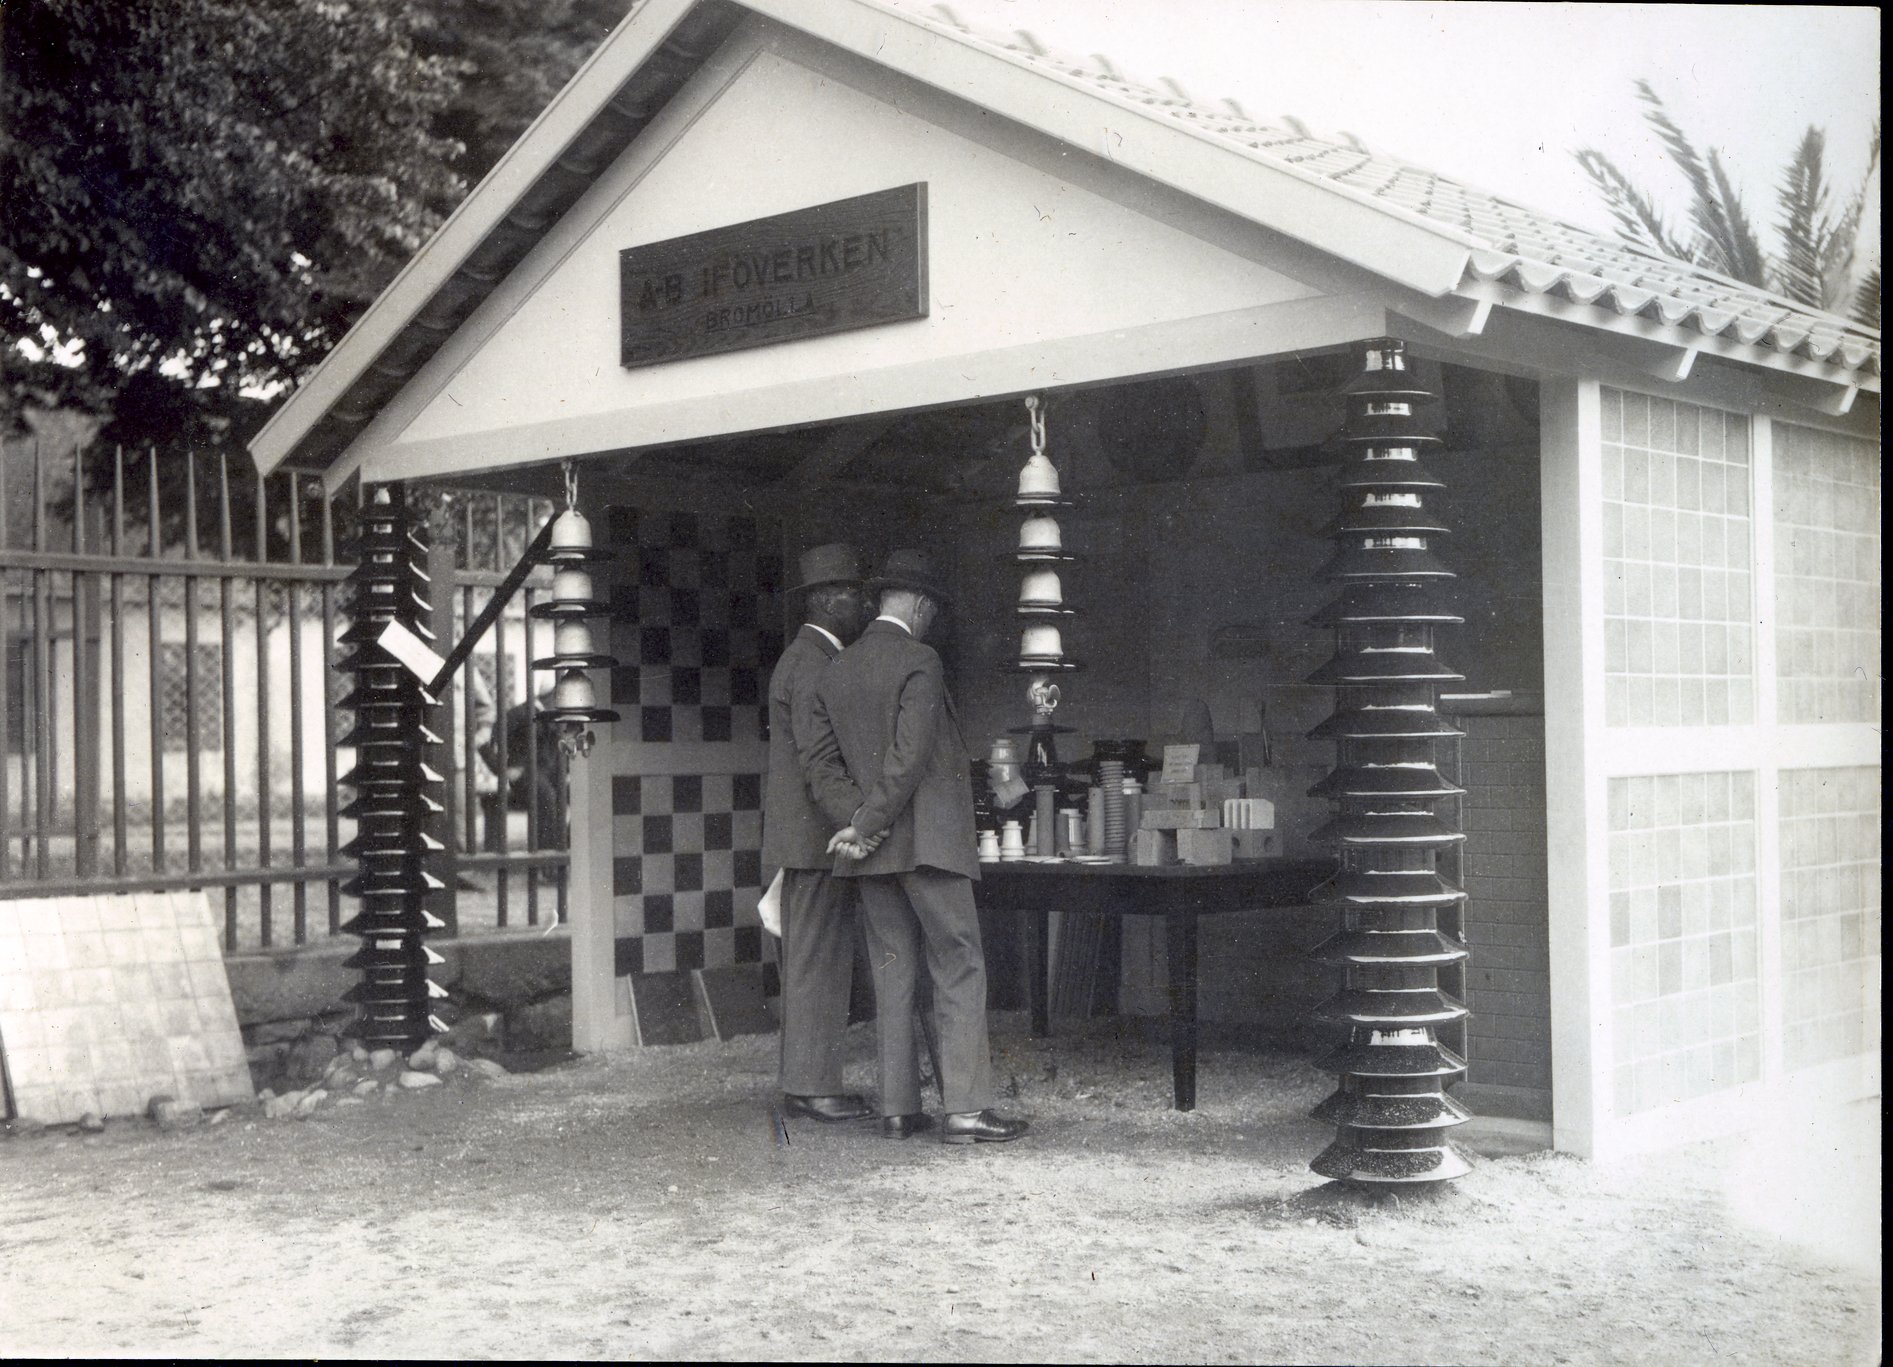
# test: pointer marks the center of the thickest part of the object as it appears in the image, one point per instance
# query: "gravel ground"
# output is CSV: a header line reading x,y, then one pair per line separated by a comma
x,y
644,1207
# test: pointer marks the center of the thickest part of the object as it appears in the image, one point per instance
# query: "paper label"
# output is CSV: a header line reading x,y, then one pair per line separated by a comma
x,y
1179,763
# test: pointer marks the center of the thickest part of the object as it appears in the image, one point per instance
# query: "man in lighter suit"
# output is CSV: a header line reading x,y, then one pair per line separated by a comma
x,y
818,909
890,767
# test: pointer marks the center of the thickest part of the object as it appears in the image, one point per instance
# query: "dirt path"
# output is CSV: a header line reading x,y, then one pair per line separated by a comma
x,y
641,1208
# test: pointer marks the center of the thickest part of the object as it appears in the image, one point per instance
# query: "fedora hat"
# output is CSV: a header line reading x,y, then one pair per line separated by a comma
x,y
910,569
835,563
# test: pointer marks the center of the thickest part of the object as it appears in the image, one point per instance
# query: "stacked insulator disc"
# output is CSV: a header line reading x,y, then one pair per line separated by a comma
x,y
391,778
1041,557
1391,1109
570,609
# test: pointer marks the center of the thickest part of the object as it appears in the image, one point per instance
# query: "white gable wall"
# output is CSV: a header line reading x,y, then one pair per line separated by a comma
x,y
1045,269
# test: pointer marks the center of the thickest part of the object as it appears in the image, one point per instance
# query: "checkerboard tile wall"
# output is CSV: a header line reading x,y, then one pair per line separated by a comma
x,y
696,617
106,1002
697,621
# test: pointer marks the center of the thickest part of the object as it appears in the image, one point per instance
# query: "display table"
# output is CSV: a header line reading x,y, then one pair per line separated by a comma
x,y
1179,893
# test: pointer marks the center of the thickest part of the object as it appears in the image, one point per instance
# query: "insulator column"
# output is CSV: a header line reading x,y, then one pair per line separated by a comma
x,y
391,779
1391,1110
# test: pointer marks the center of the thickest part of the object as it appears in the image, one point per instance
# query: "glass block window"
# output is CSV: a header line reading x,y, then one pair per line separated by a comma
x,y
1827,570
1678,621
1830,913
1684,941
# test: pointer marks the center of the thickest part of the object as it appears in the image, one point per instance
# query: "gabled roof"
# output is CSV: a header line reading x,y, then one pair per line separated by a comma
x,y
1515,246
1415,228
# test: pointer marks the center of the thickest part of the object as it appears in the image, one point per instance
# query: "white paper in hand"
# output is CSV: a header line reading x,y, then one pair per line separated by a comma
x,y
770,907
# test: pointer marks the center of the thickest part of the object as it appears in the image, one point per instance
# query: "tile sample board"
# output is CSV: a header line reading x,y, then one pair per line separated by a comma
x,y
106,1002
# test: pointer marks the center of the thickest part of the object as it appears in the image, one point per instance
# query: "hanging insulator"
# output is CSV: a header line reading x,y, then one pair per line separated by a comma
x,y
573,603
1390,1108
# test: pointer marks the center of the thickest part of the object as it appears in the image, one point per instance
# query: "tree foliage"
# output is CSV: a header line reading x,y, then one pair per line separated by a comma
x,y
1822,260
198,197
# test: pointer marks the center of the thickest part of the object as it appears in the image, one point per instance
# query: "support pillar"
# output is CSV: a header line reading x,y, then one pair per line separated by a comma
x,y
1391,1111
392,736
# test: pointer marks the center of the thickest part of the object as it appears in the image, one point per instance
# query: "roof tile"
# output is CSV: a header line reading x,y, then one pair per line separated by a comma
x,y
1535,251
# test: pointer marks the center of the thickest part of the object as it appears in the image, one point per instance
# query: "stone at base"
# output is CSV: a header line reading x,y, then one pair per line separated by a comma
x,y
170,1113
92,1123
382,1058
413,1081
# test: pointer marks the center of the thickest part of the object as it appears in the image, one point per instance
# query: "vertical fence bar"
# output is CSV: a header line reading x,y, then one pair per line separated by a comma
x,y
226,622
298,844
39,715
263,696
193,747
535,831
120,834
503,703
6,685
85,713
332,826
154,640
469,750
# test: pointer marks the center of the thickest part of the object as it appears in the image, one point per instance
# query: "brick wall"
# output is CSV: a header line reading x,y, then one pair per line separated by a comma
x,y
1508,981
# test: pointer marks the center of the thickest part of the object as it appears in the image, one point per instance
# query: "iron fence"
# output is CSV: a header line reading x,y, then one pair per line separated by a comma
x,y
168,636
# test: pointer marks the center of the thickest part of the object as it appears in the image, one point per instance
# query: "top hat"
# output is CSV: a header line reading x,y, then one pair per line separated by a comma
x,y
835,563
910,569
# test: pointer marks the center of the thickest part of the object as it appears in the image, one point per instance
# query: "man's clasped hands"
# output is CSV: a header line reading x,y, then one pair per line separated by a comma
x,y
848,842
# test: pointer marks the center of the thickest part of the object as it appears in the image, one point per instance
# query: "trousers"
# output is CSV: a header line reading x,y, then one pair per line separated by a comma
x,y
818,942
925,922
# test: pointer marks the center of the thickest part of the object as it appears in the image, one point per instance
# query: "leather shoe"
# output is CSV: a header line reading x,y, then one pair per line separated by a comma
x,y
828,1109
905,1126
980,1127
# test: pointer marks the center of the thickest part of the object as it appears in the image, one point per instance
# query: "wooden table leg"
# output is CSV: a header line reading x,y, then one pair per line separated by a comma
x,y
1180,935
1038,951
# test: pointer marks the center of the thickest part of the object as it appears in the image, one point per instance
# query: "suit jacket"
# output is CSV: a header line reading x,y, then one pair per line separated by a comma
x,y
795,831
888,756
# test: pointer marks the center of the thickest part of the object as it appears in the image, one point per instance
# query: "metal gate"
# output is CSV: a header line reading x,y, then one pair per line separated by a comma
x,y
168,631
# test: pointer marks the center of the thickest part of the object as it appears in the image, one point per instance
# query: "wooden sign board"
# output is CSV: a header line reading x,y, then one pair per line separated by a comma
x,y
830,268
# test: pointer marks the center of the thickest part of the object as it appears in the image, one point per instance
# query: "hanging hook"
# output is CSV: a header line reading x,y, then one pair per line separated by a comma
x,y
1035,407
571,484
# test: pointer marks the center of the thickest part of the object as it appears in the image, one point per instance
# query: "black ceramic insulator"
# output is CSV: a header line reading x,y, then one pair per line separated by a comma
x,y
1390,1106
391,736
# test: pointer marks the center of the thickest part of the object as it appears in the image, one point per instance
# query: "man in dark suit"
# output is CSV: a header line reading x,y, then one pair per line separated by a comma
x,y
818,909
891,769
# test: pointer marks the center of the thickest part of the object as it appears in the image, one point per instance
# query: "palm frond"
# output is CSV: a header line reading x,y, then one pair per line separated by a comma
x,y
1747,261
1724,240
1637,215
1844,244
1866,301
1806,233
